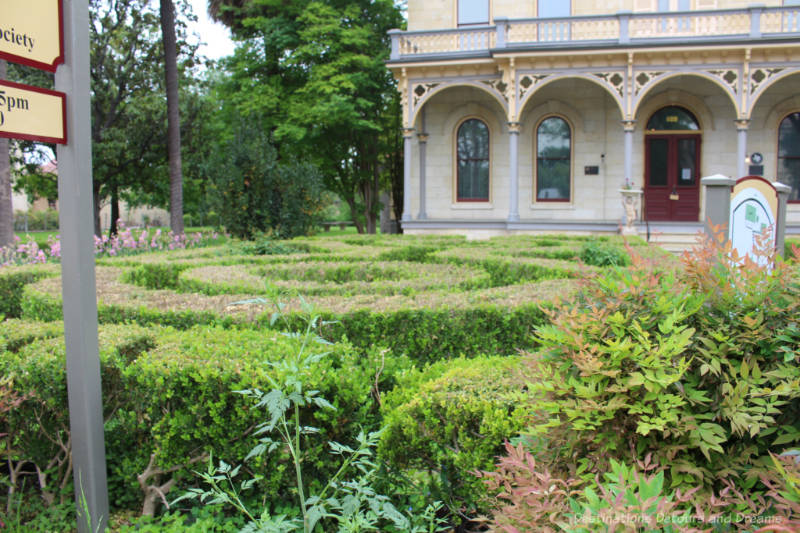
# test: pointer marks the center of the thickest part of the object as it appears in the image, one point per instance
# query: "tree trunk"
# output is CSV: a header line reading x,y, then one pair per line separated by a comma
x,y
112,227
96,196
173,116
6,203
359,226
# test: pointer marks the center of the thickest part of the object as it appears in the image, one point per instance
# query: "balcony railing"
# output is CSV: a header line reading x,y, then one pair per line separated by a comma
x,y
624,28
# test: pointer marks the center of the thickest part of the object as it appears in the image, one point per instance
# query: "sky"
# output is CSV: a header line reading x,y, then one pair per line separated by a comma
x,y
215,36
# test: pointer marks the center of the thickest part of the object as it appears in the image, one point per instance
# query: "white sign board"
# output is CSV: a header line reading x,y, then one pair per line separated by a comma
x,y
753,216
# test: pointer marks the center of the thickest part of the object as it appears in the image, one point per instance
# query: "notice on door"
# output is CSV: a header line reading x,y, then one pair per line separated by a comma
x,y
32,114
31,33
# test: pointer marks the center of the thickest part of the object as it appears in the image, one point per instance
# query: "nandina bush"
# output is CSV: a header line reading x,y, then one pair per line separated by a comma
x,y
695,367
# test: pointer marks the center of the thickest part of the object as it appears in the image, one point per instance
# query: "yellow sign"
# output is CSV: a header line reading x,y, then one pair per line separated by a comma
x,y
31,32
32,114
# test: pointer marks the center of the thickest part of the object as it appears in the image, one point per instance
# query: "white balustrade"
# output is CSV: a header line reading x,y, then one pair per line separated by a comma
x,y
623,28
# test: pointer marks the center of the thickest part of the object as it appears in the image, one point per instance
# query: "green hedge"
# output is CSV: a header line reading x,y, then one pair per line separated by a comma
x,y
451,419
428,335
171,393
13,279
424,334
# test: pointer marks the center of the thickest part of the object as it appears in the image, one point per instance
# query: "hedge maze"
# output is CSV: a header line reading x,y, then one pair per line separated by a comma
x,y
425,333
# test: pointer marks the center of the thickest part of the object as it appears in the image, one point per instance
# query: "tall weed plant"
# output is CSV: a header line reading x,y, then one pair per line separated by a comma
x,y
346,502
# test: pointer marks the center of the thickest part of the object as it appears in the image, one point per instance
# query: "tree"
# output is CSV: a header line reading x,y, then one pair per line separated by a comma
x,y
316,70
126,74
173,116
129,119
6,201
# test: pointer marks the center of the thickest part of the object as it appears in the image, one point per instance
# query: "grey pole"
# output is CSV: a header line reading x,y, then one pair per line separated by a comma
x,y
78,277
513,186
423,145
741,148
780,224
408,133
718,202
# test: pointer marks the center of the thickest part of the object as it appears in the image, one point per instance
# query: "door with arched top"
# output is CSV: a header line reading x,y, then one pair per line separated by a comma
x,y
672,166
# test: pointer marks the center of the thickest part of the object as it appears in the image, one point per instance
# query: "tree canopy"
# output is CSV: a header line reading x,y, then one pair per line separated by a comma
x,y
313,74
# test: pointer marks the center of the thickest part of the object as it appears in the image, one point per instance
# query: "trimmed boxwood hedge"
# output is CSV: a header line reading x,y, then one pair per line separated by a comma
x,y
13,279
449,419
171,393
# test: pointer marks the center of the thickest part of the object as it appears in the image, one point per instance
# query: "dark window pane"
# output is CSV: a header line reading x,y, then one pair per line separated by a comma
x,y
553,159
553,138
659,150
672,118
789,173
472,145
552,179
789,136
473,12
687,161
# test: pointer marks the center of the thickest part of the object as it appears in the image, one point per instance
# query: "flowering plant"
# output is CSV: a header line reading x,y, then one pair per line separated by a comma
x,y
126,242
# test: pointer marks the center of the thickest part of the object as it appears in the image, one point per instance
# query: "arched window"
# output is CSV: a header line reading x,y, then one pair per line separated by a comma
x,y
553,160
789,154
673,118
472,165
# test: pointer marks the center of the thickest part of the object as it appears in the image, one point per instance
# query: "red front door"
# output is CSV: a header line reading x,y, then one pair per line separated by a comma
x,y
672,177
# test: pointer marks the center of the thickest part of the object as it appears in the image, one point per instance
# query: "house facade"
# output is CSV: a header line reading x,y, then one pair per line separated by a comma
x,y
535,116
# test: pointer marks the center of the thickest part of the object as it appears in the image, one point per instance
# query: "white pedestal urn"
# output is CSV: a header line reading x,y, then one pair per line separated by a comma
x,y
631,202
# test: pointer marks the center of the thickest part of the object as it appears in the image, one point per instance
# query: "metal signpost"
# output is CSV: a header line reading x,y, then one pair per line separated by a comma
x,y
54,35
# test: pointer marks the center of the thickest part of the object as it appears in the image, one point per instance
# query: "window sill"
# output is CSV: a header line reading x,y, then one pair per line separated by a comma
x,y
472,205
552,206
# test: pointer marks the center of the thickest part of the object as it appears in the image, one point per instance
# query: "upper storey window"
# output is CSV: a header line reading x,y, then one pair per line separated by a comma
x,y
555,8
473,12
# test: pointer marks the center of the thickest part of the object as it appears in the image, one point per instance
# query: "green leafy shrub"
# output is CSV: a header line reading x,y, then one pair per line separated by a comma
x,y
38,427
256,193
429,335
169,400
12,280
267,246
413,253
600,253
339,501
155,276
696,368
15,333
452,418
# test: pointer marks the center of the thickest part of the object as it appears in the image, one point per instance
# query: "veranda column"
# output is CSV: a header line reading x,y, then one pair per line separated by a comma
x,y
513,194
408,134
741,148
628,126
423,149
